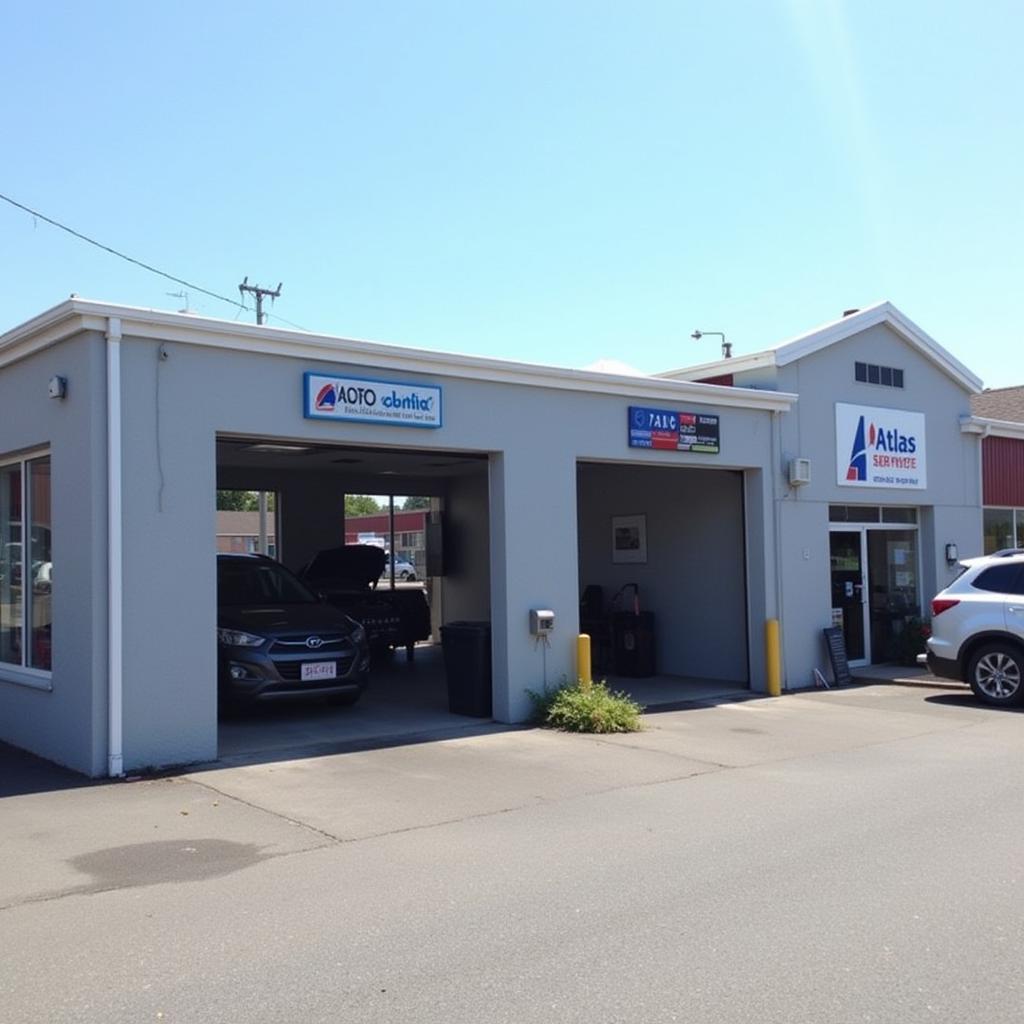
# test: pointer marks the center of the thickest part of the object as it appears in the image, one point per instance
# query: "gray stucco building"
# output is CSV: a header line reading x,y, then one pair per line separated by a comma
x,y
820,481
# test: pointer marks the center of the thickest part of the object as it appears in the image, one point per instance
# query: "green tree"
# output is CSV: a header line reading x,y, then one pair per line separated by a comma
x,y
414,502
242,501
237,501
360,505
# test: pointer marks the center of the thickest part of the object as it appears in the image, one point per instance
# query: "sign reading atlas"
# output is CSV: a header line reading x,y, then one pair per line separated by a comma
x,y
357,400
879,447
671,430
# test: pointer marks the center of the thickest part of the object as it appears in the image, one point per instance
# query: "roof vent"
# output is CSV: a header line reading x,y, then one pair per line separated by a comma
x,y
850,312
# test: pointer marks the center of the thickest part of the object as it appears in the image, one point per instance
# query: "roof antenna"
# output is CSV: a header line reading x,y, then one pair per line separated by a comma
x,y
726,345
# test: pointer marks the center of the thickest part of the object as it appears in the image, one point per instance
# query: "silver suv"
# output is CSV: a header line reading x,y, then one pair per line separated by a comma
x,y
978,628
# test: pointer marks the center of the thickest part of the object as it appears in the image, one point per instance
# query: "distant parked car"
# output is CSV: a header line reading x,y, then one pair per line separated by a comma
x,y
978,628
404,570
276,639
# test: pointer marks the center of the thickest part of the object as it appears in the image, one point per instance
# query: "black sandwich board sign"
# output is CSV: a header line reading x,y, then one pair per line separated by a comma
x,y
836,644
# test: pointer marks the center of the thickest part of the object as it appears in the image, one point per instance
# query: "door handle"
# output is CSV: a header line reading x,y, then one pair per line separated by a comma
x,y
1015,608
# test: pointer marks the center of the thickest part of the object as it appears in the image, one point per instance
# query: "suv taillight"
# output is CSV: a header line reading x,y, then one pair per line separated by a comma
x,y
941,604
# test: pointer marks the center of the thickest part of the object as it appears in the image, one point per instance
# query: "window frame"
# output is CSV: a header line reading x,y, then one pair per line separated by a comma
x,y
24,674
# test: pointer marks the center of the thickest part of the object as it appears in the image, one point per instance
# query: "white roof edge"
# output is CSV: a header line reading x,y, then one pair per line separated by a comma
x,y
75,315
734,364
991,428
815,340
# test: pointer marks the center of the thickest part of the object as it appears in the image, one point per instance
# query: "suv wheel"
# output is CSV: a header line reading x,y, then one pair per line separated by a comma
x,y
996,673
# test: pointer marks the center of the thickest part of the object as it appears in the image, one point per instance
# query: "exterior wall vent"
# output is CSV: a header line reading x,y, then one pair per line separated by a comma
x,y
799,472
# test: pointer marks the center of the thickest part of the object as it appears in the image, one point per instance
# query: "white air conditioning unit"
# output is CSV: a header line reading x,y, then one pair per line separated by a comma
x,y
799,472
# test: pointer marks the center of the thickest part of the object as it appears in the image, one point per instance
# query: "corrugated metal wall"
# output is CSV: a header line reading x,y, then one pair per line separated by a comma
x,y
1002,460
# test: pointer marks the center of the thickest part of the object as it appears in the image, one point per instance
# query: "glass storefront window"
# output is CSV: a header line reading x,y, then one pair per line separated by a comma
x,y
39,604
26,564
899,515
999,530
11,568
853,513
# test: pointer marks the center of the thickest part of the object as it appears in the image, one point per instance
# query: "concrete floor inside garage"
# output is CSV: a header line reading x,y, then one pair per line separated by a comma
x,y
405,702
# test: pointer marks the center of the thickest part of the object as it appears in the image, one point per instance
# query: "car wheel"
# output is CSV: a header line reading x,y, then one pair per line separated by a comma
x,y
996,674
344,700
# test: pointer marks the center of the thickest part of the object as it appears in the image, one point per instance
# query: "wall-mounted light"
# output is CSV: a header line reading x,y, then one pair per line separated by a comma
x,y
58,387
952,555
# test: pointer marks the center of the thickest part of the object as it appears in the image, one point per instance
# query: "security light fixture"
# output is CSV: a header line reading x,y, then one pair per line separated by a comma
x,y
726,345
952,554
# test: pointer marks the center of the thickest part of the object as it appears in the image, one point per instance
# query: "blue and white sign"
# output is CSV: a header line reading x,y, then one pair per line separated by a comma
x,y
880,447
673,430
358,400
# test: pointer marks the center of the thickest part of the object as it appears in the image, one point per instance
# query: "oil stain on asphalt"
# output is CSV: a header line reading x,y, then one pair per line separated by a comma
x,y
156,863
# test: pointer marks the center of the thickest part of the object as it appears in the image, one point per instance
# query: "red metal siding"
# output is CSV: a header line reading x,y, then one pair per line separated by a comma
x,y
1002,469
722,378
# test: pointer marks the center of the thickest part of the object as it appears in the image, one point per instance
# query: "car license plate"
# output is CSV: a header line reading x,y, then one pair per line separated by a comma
x,y
319,670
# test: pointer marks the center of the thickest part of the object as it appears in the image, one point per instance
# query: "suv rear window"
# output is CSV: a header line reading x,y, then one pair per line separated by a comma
x,y
1000,579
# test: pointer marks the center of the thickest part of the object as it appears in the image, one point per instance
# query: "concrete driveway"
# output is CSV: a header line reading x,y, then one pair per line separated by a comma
x,y
839,856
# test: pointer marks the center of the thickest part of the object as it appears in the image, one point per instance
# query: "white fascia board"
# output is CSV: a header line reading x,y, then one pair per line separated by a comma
x,y
880,313
734,364
76,315
806,344
991,428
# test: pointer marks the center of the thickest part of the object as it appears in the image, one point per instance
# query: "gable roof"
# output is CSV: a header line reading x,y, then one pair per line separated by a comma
x,y
1000,404
802,345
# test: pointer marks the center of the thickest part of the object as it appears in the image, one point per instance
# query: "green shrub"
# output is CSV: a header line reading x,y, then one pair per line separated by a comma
x,y
594,708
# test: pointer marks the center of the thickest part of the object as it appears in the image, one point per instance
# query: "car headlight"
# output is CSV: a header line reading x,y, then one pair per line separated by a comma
x,y
358,635
236,638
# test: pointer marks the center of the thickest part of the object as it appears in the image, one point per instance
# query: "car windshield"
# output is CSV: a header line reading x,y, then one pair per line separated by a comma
x,y
244,582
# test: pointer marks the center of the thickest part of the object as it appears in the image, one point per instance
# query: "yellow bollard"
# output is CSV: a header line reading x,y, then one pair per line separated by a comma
x,y
583,670
772,657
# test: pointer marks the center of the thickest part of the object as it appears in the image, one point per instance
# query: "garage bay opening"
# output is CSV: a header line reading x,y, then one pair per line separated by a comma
x,y
385,547
663,584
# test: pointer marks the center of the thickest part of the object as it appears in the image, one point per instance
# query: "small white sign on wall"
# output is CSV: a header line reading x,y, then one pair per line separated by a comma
x,y
880,447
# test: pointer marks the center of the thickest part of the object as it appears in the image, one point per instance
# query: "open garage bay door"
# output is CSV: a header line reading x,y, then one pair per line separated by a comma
x,y
396,539
663,579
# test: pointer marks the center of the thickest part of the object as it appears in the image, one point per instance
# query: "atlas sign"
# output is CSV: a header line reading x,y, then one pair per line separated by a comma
x,y
879,447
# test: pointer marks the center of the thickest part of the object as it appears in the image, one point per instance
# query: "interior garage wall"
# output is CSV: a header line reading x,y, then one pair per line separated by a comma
x,y
695,576
467,551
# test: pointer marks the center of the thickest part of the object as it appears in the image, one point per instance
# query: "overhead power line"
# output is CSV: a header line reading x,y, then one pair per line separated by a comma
x,y
190,285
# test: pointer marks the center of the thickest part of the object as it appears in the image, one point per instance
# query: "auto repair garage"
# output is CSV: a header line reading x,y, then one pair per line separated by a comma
x,y
121,425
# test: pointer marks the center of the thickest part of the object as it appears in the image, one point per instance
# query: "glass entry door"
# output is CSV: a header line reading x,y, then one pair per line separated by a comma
x,y
894,601
847,559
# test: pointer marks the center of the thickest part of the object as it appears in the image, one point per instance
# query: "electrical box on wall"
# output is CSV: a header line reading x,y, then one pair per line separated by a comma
x,y
799,472
542,621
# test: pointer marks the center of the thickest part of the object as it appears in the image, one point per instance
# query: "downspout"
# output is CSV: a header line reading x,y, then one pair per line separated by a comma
x,y
776,442
115,555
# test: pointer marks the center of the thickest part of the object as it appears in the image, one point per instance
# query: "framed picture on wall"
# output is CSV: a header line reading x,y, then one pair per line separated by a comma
x,y
629,538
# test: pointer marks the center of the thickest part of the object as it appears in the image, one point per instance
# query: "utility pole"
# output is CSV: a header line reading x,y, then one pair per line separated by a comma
x,y
259,292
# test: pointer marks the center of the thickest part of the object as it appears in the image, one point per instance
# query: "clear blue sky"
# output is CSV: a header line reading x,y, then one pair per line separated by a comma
x,y
550,181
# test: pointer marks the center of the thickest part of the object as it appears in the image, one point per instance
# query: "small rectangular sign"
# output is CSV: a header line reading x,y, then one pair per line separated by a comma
x,y
880,447
673,430
358,400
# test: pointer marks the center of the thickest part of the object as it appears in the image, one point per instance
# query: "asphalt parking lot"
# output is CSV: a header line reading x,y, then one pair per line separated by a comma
x,y
833,856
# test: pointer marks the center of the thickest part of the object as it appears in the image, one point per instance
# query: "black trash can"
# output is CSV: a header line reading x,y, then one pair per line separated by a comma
x,y
633,644
467,666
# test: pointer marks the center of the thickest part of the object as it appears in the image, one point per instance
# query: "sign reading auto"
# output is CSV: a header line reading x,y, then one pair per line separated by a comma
x,y
879,447
358,400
